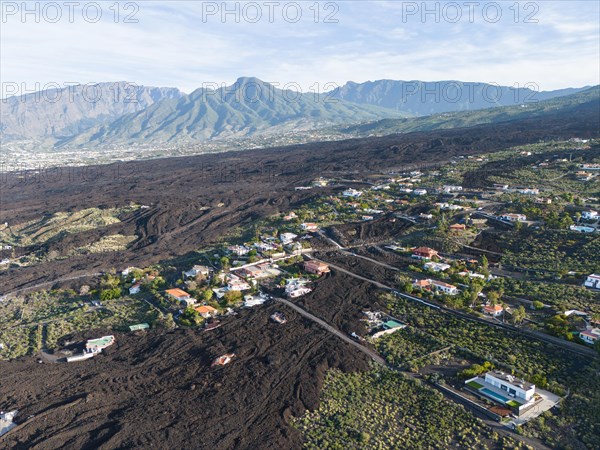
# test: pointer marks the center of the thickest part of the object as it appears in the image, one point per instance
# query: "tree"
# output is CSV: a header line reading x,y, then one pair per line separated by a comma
x,y
537,304
519,314
224,262
168,321
207,295
190,317
109,294
484,262
232,297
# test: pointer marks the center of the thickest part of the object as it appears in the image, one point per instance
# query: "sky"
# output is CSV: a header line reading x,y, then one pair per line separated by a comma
x,y
308,46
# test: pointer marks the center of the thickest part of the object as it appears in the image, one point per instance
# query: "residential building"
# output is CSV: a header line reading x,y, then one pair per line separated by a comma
x,y
502,187
420,192
309,226
449,188
543,201
352,193
424,253
589,215
181,296
493,310
584,176
296,287
235,283
316,267
135,289
590,336
513,217
592,281
448,207
425,216
422,284
97,345
206,311
238,250
287,238
436,267
458,227
290,216
197,270
529,191
582,229
445,288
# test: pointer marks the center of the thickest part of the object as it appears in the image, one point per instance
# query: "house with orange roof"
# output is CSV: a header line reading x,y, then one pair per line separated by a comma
x,y
493,310
424,253
206,311
316,267
180,296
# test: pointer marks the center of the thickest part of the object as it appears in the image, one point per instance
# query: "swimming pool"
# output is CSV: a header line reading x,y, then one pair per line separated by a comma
x,y
492,394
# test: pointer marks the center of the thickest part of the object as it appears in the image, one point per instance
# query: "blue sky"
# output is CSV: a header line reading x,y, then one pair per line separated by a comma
x,y
185,44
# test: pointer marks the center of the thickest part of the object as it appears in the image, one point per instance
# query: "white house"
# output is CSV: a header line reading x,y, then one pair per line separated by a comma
x,y
514,387
529,191
592,281
309,226
135,289
237,284
287,238
197,270
296,287
582,229
436,267
420,192
440,286
352,193
589,215
514,217
449,189
590,336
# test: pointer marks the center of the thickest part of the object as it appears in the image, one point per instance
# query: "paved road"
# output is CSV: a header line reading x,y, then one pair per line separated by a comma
x,y
372,354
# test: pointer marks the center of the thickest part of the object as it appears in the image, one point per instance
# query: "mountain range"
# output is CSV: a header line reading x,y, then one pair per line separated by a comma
x,y
123,114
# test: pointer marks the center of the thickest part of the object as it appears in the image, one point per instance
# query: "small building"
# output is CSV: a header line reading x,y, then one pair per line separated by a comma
x,y
458,227
449,188
424,253
589,215
543,201
445,288
97,345
514,217
296,287
206,311
422,284
590,336
352,193
309,226
197,270
420,192
238,250
290,216
592,281
316,267
287,238
529,191
425,216
180,296
139,326
493,310
582,229
235,283
135,289
436,267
